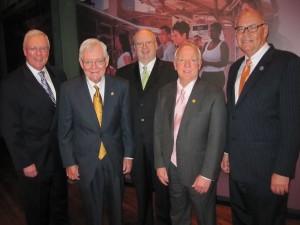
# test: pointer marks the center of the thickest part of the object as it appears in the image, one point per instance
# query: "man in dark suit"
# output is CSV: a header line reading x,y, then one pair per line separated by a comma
x,y
263,125
146,77
29,127
189,139
96,149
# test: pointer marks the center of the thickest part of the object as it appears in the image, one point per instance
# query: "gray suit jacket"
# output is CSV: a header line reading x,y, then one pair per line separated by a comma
x,y
201,137
80,134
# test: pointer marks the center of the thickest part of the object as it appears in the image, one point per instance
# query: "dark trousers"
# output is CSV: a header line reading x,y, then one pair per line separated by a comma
x,y
106,187
183,198
146,181
255,204
45,198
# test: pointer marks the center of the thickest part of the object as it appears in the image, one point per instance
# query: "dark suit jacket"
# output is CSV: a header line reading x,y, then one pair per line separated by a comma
x,y
80,134
143,101
201,137
264,125
29,119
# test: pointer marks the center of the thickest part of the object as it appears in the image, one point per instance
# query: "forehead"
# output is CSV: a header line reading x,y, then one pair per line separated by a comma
x,y
93,51
249,19
187,51
144,35
38,39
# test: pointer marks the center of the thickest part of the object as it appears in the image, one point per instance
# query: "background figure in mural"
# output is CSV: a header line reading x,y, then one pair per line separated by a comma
x,y
263,125
96,134
146,77
197,40
189,139
169,48
29,127
180,33
123,46
215,57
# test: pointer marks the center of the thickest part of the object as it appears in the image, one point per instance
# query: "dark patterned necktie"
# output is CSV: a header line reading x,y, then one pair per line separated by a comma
x,y
46,86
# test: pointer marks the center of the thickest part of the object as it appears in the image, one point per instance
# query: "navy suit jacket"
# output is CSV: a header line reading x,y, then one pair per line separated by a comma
x,y
29,119
264,125
80,134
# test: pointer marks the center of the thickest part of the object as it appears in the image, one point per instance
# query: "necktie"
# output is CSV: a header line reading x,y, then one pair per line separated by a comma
x,y
179,110
46,86
145,76
245,75
97,101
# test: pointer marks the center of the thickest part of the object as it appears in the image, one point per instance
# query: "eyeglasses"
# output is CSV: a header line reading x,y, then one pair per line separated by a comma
x,y
90,62
36,50
141,44
251,29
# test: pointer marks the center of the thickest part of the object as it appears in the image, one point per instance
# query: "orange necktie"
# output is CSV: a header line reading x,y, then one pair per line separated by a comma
x,y
245,75
98,105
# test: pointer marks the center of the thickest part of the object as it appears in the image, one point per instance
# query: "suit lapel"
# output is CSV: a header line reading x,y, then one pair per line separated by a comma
x,y
86,103
256,74
170,104
194,101
154,75
110,93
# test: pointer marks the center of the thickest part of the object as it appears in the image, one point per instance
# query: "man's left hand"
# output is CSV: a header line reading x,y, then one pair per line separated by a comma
x,y
127,165
279,184
201,184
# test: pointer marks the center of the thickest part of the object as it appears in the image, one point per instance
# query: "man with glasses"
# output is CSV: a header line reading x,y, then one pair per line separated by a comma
x,y
95,133
263,105
146,77
29,126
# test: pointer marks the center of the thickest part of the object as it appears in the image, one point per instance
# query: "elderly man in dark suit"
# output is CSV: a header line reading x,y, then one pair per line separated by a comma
x,y
146,77
95,133
189,139
263,125
29,127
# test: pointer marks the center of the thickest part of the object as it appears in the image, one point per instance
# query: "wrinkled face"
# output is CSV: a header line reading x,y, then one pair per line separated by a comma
x,y
145,46
164,37
187,63
248,42
94,63
36,51
177,38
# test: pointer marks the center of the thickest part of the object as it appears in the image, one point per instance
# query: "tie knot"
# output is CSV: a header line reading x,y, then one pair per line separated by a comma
x,y
144,68
42,74
248,62
97,90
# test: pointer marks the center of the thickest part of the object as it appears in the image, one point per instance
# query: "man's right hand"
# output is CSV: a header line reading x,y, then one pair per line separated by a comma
x,y
72,172
163,175
30,171
225,163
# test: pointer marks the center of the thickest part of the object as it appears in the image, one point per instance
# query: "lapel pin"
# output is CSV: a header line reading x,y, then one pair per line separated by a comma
x,y
261,68
112,93
194,101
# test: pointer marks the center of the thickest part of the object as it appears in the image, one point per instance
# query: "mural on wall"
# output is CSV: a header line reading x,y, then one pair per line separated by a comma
x,y
106,19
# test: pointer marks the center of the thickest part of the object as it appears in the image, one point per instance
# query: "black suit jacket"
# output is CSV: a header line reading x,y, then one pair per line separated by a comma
x,y
264,125
29,119
143,101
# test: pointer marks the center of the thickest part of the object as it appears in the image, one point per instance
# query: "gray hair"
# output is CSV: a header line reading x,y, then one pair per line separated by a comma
x,y
90,44
34,33
191,45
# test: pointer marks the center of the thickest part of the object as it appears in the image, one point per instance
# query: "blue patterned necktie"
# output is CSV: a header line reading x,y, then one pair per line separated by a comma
x,y
46,86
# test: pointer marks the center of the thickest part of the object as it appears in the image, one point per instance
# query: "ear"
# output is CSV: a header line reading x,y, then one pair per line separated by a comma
x,y
266,30
106,60
81,63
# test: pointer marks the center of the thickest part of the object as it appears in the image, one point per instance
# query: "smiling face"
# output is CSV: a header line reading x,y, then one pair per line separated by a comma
x,y
248,42
94,63
145,46
36,51
187,63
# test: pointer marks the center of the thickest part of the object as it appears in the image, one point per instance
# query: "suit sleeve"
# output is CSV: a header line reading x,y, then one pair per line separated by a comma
x,y
11,126
216,139
289,145
127,124
157,133
65,128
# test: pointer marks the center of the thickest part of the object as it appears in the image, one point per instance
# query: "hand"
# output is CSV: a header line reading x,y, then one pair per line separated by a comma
x,y
72,172
127,165
163,175
279,184
201,184
30,171
225,163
